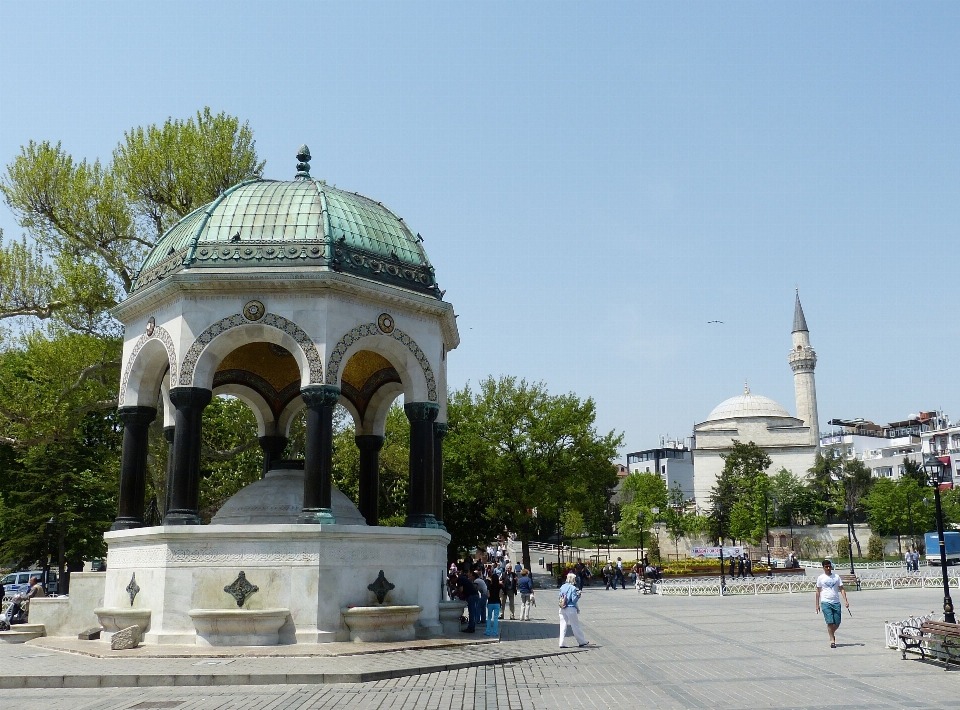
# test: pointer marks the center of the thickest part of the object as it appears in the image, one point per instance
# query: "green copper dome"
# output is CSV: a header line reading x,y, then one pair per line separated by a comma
x,y
301,224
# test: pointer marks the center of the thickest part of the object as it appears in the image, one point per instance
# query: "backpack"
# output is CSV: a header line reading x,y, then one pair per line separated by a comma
x,y
563,601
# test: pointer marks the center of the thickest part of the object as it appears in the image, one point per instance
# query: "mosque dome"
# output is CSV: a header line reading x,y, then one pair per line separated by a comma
x,y
300,225
747,405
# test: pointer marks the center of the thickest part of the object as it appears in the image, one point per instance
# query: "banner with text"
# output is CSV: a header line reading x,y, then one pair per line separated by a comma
x,y
714,552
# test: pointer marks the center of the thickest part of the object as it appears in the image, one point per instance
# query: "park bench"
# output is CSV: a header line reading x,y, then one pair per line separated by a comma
x,y
850,581
912,639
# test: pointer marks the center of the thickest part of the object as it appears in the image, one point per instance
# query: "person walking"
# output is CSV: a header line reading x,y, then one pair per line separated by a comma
x,y
740,572
829,590
568,599
608,576
508,594
525,587
733,566
619,572
748,566
493,606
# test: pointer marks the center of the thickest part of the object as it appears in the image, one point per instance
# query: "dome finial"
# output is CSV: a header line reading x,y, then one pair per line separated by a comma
x,y
303,167
746,387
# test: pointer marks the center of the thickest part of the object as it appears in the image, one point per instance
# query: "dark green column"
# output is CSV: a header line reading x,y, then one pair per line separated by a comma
x,y
439,431
169,432
369,499
133,466
420,500
184,484
318,457
273,448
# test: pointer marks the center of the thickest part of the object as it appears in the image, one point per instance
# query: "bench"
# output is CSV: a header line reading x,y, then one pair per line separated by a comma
x,y
912,639
850,580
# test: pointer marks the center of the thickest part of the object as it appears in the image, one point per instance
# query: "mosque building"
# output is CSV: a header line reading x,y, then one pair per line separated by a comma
x,y
790,442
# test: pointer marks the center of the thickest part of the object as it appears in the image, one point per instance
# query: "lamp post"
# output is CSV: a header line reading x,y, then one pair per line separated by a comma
x,y
723,579
641,519
933,468
848,509
766,524
656,527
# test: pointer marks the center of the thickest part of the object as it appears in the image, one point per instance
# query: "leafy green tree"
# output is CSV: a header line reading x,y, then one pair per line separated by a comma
x,y
875,548
91,217
789,498
675,517
512,447
640,493
738,492
231,458
59,496
88,227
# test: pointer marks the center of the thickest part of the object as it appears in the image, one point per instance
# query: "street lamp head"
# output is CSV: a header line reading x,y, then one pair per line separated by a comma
x,y
933,469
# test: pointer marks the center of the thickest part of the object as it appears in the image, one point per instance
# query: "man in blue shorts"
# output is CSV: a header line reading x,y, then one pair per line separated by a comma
x,y
829,590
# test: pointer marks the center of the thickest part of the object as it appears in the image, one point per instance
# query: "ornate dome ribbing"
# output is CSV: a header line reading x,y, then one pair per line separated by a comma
x,y
301,224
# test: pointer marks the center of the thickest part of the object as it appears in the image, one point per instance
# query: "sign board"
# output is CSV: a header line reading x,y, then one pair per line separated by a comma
x,y
714,552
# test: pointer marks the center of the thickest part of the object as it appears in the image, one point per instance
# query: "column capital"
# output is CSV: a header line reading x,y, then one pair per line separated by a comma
x,y
137,415
440,429
320,395
369,442
190,397
421,411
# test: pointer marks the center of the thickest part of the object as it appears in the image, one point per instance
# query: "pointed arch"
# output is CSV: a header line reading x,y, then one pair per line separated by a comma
x,y
369,335
153,354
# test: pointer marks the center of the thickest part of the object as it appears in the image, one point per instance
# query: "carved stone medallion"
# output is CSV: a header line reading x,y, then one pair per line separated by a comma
x,y
380,587
240,588
254,310
151,324
133,589
385,323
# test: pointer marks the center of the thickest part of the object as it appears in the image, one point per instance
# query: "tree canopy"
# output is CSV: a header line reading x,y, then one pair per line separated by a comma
x,y
513,448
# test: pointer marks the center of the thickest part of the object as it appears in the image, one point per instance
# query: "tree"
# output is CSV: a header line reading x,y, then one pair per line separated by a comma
x,y
640,493
60,496
739,493
94,218
855,483
89,227
512,447
675,517
789,494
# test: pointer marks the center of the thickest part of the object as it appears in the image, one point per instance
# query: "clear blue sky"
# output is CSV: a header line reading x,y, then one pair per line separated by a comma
x,y
595,181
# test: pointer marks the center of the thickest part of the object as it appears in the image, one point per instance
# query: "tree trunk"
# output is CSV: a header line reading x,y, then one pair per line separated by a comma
x,y
61,554
525,544
853,531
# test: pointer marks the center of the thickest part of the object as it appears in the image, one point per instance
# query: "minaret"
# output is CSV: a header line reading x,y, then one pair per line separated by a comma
x,y
803,360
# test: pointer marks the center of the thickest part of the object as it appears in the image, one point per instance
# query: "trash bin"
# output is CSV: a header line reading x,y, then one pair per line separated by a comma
x,y
549,566
541,561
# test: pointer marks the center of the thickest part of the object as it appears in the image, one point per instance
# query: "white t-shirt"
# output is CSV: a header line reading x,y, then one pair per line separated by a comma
x,y
829,586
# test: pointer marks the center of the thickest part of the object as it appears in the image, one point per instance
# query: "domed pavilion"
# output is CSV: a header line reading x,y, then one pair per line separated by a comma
x,y
288,295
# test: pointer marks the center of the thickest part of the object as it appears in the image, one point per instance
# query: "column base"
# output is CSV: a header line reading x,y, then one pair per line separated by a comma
x,y
317,516
441,526
126,524
421,520
181,518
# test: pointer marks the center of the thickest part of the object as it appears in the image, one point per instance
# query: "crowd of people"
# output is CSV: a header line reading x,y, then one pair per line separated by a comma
x,y
489,588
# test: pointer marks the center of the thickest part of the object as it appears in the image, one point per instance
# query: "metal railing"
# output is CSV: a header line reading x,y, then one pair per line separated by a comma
x,y
711,585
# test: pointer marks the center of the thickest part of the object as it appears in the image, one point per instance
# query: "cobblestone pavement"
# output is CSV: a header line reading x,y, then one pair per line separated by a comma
x,y
734,652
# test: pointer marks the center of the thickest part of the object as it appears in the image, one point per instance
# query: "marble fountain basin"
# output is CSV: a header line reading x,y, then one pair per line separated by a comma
x,y
382,623
238,627
113,619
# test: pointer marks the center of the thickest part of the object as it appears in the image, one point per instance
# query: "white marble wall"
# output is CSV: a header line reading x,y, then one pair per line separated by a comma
x,y
312,570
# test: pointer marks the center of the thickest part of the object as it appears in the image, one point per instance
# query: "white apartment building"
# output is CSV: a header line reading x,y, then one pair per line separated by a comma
x,y
884,447
672,460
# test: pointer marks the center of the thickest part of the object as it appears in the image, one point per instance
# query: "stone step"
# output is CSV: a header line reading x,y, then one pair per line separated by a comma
x,y
19,633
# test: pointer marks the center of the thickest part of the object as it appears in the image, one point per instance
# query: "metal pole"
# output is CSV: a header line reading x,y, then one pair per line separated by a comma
x,y
947,601
766,524
723,579
849,538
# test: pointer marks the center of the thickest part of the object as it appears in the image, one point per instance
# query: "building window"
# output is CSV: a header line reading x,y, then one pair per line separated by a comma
x,y
883,472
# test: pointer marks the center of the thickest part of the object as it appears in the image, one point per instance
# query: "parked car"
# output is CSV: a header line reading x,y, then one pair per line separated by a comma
x,y
19,581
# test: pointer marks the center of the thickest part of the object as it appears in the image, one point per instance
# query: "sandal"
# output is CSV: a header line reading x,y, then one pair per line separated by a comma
x,y
833,645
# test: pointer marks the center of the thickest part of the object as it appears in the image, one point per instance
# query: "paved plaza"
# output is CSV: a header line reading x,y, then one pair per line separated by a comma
x,y
736,652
